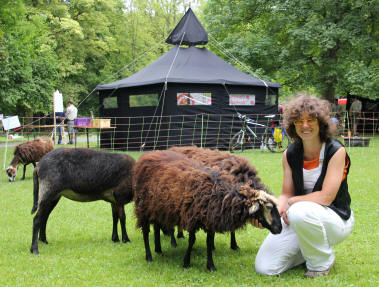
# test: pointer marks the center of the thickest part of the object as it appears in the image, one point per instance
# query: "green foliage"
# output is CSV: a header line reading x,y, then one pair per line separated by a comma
x,y
328,45
75,45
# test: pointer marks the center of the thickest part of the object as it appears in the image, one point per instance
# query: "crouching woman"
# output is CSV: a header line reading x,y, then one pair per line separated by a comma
x,y
315,202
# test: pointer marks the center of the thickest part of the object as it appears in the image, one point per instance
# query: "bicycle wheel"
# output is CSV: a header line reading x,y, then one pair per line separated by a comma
x,y
236,144
276,146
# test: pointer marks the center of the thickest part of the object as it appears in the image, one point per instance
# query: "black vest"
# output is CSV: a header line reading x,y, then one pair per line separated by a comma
x,y
341,204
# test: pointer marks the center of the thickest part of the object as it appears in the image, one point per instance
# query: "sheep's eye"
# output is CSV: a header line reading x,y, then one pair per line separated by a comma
x,y
269,206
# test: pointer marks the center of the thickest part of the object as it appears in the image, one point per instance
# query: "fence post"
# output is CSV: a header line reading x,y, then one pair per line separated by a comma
x,y
143,124
127,139
168,132
6,148
206,131
218,132
194,130
181,132
202,126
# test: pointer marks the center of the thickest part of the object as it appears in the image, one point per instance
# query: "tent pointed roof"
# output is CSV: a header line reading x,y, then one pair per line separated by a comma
x,y
189,31
188,65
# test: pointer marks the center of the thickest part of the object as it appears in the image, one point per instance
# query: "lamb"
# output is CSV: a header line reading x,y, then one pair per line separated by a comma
x,y
240,168
174,190
29,152
81,175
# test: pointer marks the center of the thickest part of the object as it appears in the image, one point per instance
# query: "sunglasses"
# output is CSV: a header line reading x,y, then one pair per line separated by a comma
x,y
310,121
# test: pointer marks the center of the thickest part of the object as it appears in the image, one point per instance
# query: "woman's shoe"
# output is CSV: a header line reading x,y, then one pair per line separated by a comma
x,y
313,274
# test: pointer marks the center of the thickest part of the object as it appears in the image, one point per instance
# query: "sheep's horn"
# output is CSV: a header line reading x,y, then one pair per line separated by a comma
x,y
263,195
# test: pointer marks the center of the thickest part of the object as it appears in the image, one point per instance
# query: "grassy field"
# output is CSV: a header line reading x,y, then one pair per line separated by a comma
x,y
80,251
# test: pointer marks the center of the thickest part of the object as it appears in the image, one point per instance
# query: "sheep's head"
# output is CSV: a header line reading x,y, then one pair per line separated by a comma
x,y
263,206
11,172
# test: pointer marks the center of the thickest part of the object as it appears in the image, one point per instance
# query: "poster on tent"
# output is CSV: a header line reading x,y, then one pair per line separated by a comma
x,y
241,100
58,102
11,123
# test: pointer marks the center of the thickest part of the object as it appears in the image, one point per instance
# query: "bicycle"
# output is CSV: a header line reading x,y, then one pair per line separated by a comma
x,y
274,137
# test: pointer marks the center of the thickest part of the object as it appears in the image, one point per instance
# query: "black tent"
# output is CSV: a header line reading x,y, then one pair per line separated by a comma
x,y
187,96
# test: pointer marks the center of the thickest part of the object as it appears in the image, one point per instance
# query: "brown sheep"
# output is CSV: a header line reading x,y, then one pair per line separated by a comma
x,y
243,172
173,190
29,152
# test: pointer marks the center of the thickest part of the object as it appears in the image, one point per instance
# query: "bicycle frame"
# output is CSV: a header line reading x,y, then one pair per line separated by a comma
x,y
239,142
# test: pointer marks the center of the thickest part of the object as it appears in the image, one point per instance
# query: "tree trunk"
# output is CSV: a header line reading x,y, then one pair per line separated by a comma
x,y
329,92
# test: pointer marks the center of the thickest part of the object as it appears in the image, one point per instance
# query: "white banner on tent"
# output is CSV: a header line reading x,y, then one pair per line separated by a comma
x,y
58,102
11,123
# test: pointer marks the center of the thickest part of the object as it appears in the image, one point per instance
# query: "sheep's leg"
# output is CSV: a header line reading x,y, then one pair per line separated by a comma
x,y
115,222
191,242
212,241
121,214
145,232
173,241
42,231
23,176
157,238
180,233
210,246
233,242
41,213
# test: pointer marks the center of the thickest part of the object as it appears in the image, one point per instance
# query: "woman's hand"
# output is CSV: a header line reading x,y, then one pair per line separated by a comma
x,y
283,207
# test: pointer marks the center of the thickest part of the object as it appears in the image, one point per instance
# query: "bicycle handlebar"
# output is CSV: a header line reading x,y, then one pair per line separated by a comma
x,y
250,121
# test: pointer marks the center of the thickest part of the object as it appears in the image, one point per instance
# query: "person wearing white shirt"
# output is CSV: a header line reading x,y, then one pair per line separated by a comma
x,y
71,114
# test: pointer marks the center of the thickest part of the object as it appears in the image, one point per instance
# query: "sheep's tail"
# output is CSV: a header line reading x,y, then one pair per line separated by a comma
x,y
35,189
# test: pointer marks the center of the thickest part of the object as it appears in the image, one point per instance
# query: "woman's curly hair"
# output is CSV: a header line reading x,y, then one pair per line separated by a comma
x,y
315,107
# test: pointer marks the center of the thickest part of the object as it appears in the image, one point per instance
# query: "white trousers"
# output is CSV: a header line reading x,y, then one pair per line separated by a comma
x,y
312,231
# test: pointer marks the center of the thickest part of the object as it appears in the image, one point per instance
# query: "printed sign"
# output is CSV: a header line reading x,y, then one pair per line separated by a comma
x,y
241,100
58,102
11,123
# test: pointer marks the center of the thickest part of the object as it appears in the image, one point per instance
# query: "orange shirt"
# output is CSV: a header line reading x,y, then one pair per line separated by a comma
x,y
314,163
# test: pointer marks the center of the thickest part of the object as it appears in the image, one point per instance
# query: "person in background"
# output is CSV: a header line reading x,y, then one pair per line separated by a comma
x,y
355,114
71,114
60,116
315,202
338,114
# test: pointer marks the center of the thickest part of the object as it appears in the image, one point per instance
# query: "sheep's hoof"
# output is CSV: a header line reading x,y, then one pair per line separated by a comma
x,y
149,259
44,241
125,240
211,267
234,247
173,244
115,239
186,265
34,251
180,235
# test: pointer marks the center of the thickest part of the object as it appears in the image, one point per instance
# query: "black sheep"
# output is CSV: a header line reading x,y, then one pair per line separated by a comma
x,y
81,175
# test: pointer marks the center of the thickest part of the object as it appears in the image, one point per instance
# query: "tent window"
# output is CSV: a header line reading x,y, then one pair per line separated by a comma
x,y
270,100
110,103
146,100
241,100
194,99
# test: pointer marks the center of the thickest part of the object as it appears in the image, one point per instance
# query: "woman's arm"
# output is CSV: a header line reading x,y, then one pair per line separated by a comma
x,y
332,182
288,189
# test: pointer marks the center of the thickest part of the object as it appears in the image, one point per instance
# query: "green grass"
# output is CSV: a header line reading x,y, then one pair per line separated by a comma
x,y
80,251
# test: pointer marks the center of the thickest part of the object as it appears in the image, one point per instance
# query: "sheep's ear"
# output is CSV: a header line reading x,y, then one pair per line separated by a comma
x,y
254,208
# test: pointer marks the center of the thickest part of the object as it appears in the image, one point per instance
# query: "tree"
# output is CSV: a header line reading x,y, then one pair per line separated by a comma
x,y
328,46
28,73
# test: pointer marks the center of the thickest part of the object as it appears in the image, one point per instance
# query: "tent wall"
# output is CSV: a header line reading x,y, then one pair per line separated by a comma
x,y
206,125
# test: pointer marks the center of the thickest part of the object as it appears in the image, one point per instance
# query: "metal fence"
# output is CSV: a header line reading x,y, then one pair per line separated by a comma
x,y
150,133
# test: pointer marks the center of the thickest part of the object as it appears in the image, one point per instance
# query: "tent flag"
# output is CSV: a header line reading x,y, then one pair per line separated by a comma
x,y
190,26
